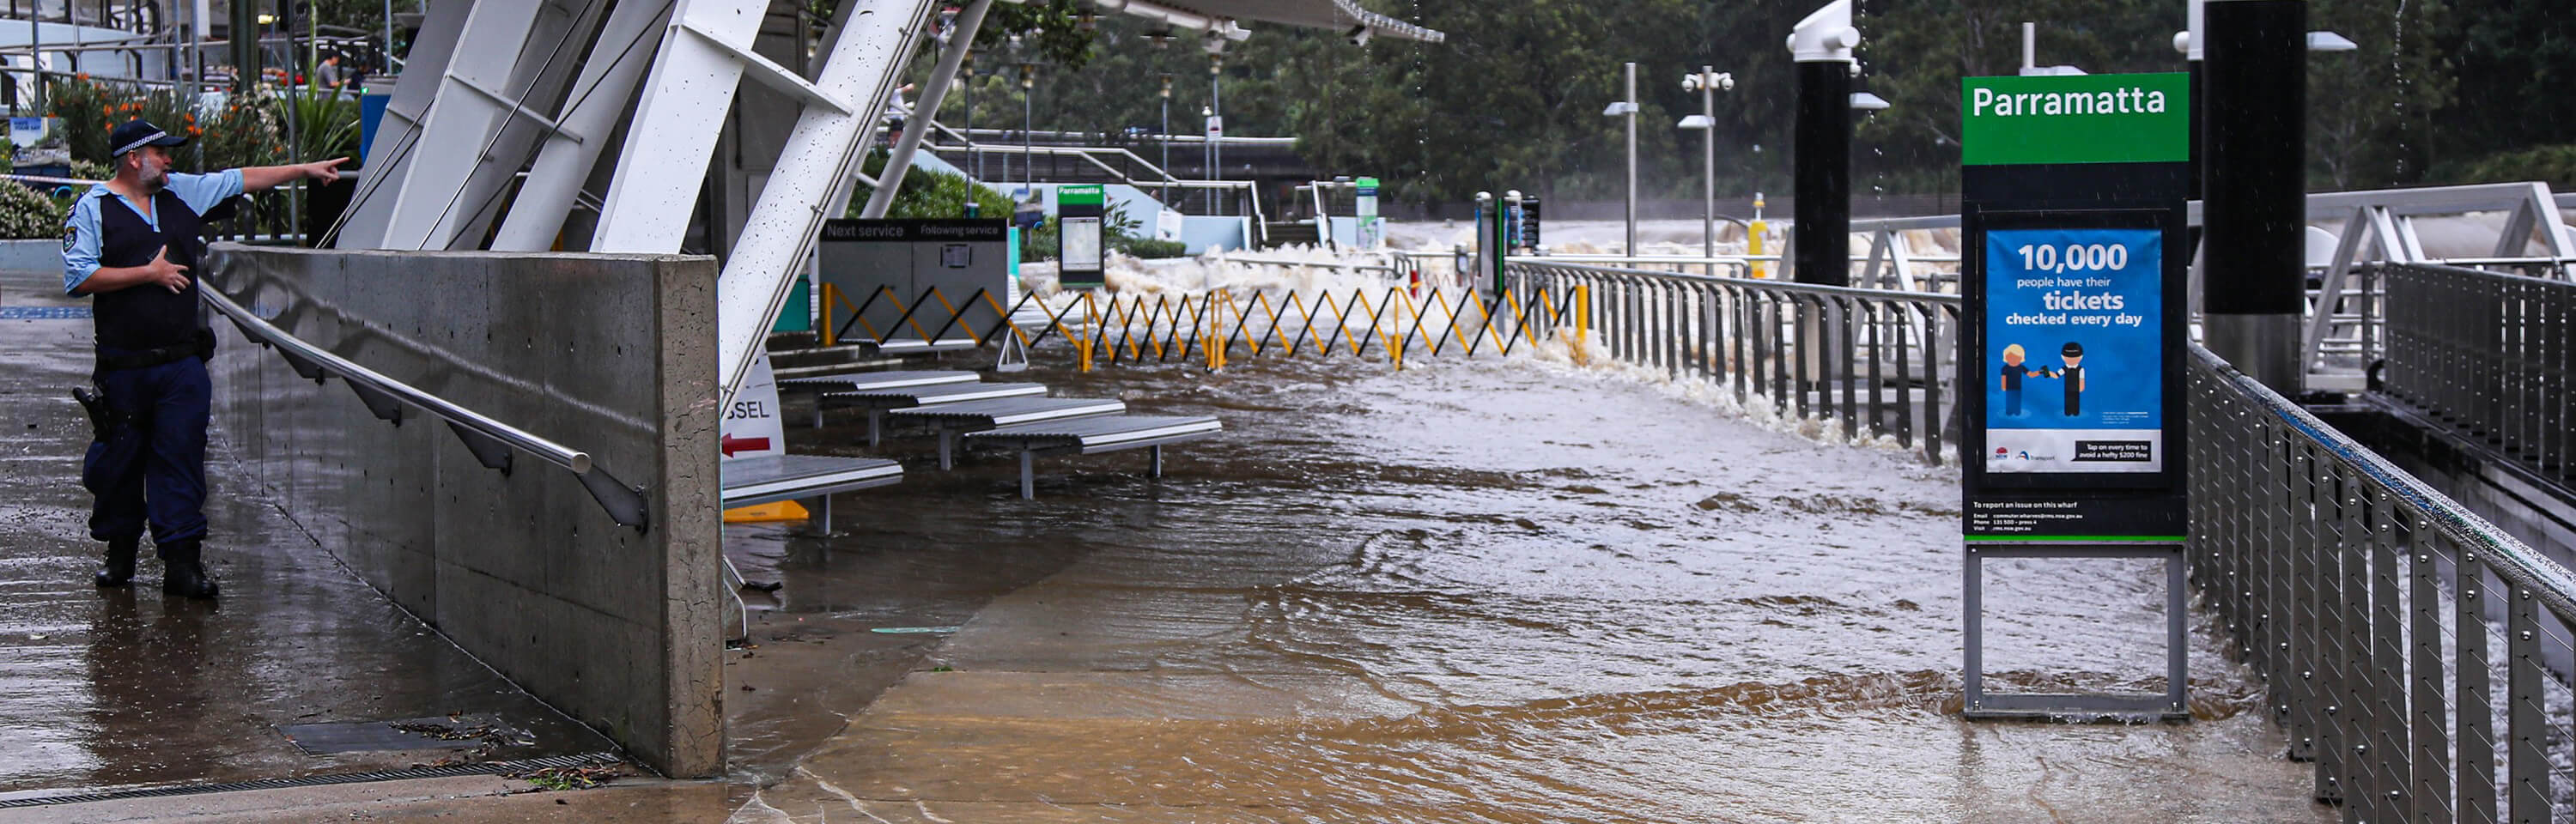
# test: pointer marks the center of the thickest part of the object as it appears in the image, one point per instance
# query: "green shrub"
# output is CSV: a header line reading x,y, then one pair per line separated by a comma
x,y
1151,248
929,194
26,214
2554,165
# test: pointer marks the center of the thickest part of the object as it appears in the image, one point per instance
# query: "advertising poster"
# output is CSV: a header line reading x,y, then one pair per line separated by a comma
x,y
2076,352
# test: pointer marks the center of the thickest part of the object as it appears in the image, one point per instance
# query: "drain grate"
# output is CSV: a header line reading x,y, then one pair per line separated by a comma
x,y
434,733
485,768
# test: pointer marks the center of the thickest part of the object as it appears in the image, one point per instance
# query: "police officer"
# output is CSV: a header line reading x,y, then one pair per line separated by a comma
x,y
133,243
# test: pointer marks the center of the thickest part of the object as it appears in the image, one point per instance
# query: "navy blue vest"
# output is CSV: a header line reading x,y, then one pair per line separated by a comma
x,y
148,316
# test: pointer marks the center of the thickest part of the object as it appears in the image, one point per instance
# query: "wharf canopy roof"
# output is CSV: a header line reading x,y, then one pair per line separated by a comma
x,y
1321,14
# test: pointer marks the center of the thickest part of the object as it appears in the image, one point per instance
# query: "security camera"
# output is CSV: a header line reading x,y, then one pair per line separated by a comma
x,y
1359,35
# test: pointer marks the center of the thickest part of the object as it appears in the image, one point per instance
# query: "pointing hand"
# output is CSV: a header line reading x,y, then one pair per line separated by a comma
x,y
325,170
169,275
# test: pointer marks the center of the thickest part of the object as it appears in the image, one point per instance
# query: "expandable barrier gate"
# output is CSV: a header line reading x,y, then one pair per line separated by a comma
x,y
1208,327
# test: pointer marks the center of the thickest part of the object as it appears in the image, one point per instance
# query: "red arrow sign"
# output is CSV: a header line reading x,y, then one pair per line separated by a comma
x,y
733,444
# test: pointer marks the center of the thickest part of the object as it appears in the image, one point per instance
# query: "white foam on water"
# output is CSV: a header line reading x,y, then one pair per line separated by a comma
x,y
1567,354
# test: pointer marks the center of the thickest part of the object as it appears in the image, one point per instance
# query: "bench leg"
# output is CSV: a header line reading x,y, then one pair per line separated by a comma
x,y
1028,478
818,516
876,422
947,438
1156,470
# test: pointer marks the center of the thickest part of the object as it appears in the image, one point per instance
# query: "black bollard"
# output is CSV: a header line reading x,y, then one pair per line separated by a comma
x,y
2254,200
1822,44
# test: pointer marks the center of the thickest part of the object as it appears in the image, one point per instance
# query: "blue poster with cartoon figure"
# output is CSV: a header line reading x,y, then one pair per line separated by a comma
x,y
2073,319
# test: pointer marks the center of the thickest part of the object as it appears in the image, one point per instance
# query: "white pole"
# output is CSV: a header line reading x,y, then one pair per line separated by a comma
x,y
2029,47
899,159
197,16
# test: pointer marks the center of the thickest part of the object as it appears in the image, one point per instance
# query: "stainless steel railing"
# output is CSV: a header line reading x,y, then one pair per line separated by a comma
x,y
1868,359
2363,600
491,441
2487,355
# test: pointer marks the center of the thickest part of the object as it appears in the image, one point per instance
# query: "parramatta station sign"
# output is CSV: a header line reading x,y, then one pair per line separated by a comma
x,y
2109,118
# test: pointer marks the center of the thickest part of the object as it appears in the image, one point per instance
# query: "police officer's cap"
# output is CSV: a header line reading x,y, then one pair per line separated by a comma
x,y
135,134
2071,349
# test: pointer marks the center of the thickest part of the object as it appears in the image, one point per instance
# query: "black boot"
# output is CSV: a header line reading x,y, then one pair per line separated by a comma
x,y
181,572
119,567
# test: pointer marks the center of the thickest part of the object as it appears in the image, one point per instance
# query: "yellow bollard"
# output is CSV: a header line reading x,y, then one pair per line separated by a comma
x,y
1753,239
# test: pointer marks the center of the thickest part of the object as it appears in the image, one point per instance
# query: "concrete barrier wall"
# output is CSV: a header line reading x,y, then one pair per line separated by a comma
x,y
609,354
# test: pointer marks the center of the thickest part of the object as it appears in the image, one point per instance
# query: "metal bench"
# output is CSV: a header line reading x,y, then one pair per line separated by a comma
x,y
877,400
949,419
857,381
914,346
753,481
1084,436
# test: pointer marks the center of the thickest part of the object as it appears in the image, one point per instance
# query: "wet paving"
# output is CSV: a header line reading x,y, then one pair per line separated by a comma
x,y
120,688
1478,590
1471,591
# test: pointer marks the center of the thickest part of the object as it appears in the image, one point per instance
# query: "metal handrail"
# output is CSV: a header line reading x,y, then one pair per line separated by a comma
x,y
2485,356
490,440
1852,355
2303,540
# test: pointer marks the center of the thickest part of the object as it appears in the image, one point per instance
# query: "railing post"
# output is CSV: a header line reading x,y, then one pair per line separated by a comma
x,y
2430,759
2527,765
2471,670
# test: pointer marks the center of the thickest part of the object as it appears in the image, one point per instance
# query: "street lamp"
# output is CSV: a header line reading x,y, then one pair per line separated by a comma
x,y
1028,123
1627,108
974,151
1166,140
1215,45
1708,82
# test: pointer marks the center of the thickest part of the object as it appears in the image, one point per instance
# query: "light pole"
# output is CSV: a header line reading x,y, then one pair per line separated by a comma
x,y
974,152
1166,139
1627,107
1028,123
1216,110
1708,82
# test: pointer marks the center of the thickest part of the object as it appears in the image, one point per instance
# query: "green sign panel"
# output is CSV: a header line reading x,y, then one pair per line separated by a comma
x,y
2086,118
1089,194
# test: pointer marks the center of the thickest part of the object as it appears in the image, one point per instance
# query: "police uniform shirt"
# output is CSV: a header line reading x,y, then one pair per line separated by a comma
x,y
81,231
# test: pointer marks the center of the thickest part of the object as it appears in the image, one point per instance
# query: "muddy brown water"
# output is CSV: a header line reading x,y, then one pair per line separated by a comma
x,y
1487,590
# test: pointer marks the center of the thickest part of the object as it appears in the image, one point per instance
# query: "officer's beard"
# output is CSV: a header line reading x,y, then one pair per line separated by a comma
x,y
159,179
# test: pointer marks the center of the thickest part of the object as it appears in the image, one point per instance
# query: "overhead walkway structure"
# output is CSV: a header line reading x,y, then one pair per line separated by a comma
x,y
498,88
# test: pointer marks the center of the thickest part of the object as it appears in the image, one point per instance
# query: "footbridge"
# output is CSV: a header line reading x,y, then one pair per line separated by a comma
x,y
2398,578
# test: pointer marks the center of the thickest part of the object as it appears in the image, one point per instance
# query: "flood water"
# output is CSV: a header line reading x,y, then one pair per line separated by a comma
x,y
1474,590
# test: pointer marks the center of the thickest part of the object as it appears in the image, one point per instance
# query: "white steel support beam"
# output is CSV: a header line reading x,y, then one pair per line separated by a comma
x,y
452,132
899,161
460,206
821,153
389,154
662,167
628,42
